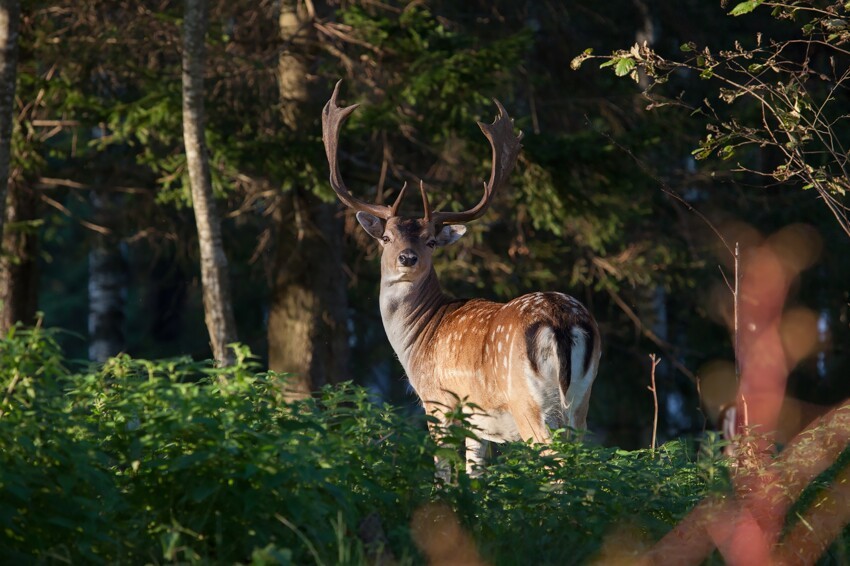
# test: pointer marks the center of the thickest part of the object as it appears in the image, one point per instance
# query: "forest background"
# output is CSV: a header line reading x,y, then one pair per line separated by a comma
x,y
622,196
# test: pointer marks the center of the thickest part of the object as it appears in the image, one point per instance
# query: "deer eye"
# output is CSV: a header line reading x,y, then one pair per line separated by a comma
x,y
385,239
431,243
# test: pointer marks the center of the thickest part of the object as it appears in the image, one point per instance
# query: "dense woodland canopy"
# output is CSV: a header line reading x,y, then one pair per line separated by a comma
x,y
100,235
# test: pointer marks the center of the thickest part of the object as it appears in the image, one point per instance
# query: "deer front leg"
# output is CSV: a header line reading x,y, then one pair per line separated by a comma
x,y
437,430
476,448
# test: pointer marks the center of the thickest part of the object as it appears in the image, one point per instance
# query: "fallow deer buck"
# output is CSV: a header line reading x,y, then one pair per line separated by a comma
x,y
528,364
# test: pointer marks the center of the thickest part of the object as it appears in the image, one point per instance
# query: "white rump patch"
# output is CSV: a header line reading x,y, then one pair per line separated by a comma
x,y
578,395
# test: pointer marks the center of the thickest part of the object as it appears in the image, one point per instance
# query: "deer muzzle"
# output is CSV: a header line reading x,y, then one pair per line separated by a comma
x,y
407,258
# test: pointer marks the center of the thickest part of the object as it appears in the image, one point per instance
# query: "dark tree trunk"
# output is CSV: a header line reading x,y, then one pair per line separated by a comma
x,y
13,307
307,323
19,264
10,16
218,308
307,329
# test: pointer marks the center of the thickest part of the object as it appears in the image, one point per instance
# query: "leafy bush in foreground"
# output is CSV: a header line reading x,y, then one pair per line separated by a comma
x,y
139,461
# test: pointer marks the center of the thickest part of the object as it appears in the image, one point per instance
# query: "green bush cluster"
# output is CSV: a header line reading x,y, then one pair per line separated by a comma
x,y
138,461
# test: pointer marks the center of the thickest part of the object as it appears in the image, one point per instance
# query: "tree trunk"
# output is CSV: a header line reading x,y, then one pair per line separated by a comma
x,y
107,285
307,323
218,309
19,263
307,330
296,33
10,15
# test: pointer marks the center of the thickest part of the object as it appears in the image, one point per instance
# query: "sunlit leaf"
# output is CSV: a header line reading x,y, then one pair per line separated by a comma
x,y
745,7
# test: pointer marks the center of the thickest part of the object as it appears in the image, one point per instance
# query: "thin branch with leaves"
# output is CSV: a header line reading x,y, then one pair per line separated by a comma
x,y
795,86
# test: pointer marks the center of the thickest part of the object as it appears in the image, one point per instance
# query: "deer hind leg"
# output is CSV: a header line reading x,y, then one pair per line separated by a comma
x,y
475,451
530,421
583,368
538,409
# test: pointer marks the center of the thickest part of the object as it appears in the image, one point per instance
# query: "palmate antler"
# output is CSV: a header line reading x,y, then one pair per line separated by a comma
x,y
332,118
506,146
504,143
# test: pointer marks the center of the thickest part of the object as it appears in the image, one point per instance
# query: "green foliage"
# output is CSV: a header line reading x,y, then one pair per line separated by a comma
x,y
587,493
424,76
114,463
787,108
140,461
441,70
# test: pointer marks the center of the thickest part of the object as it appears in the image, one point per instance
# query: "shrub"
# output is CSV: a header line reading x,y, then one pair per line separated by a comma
x,y
139,461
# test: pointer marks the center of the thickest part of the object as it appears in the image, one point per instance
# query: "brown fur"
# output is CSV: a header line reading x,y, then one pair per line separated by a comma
x,y
514,361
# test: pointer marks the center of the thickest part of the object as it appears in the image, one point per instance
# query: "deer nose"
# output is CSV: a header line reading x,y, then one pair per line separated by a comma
x,y
407,258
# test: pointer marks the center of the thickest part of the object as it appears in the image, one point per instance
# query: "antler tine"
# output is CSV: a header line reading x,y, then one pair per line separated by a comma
x,y
425,204
332,119
397,203
505,145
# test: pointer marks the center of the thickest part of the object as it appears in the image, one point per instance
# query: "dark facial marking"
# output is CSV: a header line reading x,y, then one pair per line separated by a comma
x,y
412,229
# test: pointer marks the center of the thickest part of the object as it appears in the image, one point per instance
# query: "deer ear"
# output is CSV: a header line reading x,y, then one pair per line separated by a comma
x,y
450,234
371,223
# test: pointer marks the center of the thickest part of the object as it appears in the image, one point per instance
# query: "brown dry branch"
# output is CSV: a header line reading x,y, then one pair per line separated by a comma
x,y
655,361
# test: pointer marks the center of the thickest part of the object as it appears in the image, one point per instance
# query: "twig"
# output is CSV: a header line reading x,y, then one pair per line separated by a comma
x,y
51,183
655,361
64,210
735,312
302,536
44,123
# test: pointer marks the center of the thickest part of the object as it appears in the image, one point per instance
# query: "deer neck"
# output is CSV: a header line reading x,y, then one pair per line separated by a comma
x,y
411,312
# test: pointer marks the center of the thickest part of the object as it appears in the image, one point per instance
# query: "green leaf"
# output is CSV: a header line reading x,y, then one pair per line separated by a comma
x,y
624,66
745,7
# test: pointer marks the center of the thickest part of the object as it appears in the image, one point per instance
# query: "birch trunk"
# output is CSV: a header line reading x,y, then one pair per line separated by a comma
x,y
218,309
